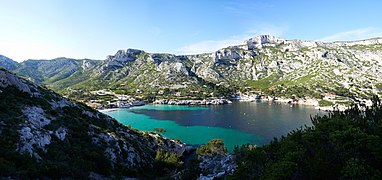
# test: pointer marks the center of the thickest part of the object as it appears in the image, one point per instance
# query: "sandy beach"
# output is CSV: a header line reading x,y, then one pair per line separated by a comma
x,y
108,110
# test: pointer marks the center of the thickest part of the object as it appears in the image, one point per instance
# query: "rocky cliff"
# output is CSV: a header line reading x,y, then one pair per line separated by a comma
x,y
44,135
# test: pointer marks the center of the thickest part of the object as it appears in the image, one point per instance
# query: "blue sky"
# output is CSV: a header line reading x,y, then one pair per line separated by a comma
x,y
46,29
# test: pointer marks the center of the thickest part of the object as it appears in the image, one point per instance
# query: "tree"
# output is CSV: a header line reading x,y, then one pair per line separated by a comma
x,y
213,147
166,162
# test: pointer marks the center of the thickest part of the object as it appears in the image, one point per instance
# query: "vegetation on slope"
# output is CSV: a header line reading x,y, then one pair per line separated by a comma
x,y
73,157
324,103
32,146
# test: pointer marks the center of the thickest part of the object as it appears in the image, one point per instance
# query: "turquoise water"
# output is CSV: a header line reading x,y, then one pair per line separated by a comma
x,y
236,124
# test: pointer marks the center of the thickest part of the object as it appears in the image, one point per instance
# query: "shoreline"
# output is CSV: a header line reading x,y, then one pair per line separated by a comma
x,y
306,102
301,101
109,109
217,101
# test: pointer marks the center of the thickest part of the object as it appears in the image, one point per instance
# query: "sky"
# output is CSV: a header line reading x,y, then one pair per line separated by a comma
x,y
47,29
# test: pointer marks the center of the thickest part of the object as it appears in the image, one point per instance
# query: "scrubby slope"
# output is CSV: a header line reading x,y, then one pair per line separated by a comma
x,y
45,135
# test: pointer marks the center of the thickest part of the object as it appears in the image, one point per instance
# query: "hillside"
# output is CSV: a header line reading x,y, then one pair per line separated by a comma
x,y
58,73
266,64
44,135
8,63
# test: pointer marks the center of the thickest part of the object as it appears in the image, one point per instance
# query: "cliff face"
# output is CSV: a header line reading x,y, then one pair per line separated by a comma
x,y
264,63
45,135
318,66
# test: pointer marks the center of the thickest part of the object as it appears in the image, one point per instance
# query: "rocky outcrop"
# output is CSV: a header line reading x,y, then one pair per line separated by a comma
x,y
218,166
49,131
263,40
9,79
125,56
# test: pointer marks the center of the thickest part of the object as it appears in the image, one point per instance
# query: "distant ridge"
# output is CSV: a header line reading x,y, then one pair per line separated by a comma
x,y
265,63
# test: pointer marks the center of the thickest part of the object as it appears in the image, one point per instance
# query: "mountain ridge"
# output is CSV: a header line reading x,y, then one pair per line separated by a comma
x,y
374,40
266,64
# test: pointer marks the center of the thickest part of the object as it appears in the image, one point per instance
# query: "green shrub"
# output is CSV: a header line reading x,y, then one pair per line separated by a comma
x,y
213,147
379,86
160,130
166,163
324,103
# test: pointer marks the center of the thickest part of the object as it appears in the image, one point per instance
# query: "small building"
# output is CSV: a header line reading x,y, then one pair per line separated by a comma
x,y
101,93
161,92
94,105
329,96
139,91
369,103
172,90
113,105
123,98
123,104
194,92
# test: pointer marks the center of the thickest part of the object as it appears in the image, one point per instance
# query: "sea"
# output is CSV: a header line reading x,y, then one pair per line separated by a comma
x,y
236,124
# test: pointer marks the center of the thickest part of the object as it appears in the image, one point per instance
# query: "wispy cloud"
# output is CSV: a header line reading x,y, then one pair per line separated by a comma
x,y
356,34
213,45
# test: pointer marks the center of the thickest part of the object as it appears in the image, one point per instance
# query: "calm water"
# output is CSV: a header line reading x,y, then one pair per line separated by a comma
x,y
236,124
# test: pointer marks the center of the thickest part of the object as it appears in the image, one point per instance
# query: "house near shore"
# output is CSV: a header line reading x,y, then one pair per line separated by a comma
x,y
329,96
94,105
161,92
123,104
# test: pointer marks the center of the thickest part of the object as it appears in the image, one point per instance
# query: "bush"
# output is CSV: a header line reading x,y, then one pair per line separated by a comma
x,y
324,103
379,86
160,130
120,91
214,147
166,163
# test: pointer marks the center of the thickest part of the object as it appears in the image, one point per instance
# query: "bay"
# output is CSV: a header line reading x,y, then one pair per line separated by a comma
x,y
236,124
